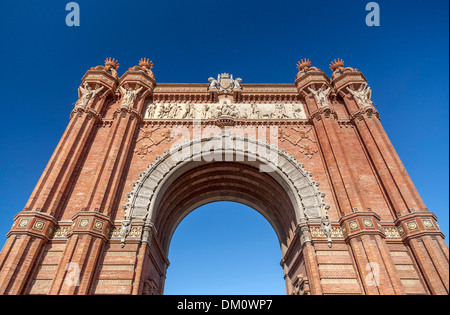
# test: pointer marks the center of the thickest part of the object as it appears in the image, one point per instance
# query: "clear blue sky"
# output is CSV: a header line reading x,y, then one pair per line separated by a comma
x,y
405,61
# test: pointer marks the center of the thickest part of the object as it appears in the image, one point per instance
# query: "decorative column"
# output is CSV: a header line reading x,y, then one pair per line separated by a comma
x,y
421,233
48,198
363,232
29,234
425,243
309,256
315,87
102,202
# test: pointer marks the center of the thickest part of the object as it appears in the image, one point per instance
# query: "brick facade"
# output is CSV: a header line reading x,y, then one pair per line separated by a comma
x,y
102,215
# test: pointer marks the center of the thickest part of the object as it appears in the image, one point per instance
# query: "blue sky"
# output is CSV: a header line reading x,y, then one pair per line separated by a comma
x,y
405,61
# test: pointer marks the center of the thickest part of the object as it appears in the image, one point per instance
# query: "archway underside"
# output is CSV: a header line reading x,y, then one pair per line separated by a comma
x,y
224,181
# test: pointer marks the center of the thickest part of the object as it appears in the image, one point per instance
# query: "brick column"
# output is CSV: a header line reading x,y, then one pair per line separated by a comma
x,y
376,268
48,198
430,251
422,234
324,119
309,256
111,171
75,273
52,189
151,264
29,234
112,167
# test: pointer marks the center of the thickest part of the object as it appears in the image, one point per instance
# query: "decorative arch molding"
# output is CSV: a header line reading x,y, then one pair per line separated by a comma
x,y
303,192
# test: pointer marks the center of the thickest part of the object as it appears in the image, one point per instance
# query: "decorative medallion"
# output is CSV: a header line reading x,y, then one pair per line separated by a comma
x,y
23,223
368,223
98,225
412,225
39,225
353,225
84,223
428,224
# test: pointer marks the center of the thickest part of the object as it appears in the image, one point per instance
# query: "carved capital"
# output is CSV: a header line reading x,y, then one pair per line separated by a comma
x,y
34,223
90,113
124,111
326,112
93,223
304,233
366,112
361,223
101,77
417,224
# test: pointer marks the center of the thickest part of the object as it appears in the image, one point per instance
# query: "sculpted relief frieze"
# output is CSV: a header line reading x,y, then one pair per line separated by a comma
x,y
225,107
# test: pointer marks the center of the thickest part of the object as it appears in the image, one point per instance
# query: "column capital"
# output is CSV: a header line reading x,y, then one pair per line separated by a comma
x,y
365,112
34,223
361,223
417,224
93,223
326,111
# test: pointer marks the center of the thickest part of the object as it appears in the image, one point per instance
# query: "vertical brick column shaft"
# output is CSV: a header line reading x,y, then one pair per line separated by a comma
x,y
348,191
88,249
51,190
110,172
431,257
312,269
104,190
390,171
18,264
29,234
432,264
49,196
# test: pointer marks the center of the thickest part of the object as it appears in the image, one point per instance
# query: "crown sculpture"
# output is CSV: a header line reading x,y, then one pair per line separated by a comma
x,y
304,66
111,63
145,65
337,66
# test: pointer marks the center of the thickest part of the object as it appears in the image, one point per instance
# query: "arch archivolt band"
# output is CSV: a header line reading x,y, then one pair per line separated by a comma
x,y
143,202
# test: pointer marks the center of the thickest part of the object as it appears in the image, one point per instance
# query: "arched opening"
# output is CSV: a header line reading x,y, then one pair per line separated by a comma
x,y
171,188
224,248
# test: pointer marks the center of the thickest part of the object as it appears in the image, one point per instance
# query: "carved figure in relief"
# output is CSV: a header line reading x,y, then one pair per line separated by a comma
x,y
151,110
326,227
164,111
266,112
174,110
206,112
86,94
190,111
124,231
321,96
297,111
129,95
281,111
254,111
362,95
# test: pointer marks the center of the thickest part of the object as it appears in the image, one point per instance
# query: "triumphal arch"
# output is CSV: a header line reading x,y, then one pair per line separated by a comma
x,y
311,156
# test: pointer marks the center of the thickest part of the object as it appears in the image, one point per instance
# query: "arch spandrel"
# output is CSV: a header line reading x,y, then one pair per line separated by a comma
x,y
306,200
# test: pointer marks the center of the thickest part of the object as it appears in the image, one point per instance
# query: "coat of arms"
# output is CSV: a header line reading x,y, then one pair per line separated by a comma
x,y
225,83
